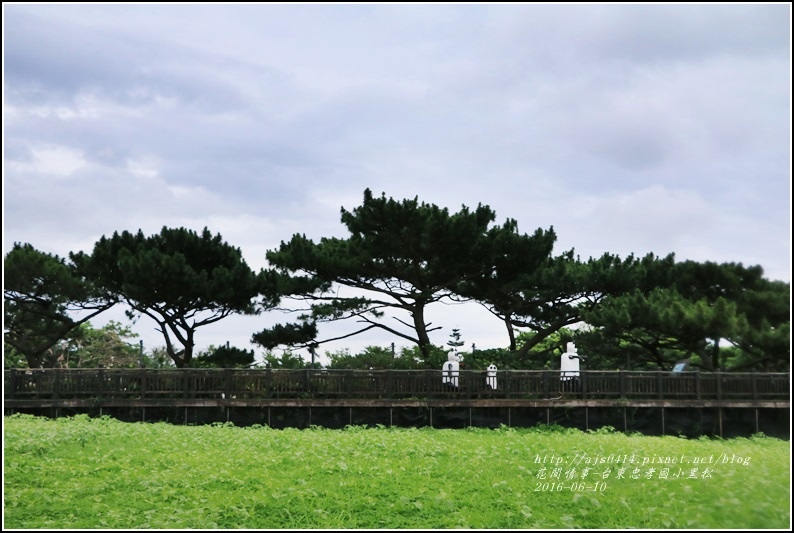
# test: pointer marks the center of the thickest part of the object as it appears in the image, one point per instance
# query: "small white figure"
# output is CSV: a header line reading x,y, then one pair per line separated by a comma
x,y
490,380
451,370
569,363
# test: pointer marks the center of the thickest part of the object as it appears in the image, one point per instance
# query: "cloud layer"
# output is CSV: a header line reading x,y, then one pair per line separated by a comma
x,y
628,128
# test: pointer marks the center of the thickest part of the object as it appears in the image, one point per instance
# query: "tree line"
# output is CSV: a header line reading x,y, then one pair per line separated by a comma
x,y
399,258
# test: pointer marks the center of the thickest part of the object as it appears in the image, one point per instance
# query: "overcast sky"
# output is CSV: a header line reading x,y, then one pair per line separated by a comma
x,y
628,128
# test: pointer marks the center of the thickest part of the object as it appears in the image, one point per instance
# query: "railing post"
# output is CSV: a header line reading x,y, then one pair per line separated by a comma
x,y
346,382
307,383
56,384
101,383
36,383
12,384
755,388
186,374
697,385
389,384
227,383
143,383
622,382
659,391
584,384
719,385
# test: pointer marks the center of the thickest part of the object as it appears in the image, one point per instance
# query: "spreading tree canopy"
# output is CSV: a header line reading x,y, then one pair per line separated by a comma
x,y
761,325
765,344
653,330
180,279
545,294
42,296
399,257
703,305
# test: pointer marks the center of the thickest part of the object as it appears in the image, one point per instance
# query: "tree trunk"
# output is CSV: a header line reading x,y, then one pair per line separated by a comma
x,y
715,354
510,334
421,331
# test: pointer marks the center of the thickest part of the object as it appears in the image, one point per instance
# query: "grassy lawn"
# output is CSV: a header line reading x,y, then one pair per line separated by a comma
x,y
82,473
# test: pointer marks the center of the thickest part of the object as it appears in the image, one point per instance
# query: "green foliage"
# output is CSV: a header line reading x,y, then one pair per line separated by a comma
x,y
87,347
286,359
480,359
454,341
603,430
40,293
109,347
180,279
374,357
765,342
301,334
399,258
158,358
564,290
380,358
224,357
543,355
404,255
690,317
546,429
97,473
12,358
431,356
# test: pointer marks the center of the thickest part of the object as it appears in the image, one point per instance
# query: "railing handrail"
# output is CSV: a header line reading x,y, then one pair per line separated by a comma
x,y
721,373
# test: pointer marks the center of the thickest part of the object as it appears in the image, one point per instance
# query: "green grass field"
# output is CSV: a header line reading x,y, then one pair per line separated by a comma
x,y
82,473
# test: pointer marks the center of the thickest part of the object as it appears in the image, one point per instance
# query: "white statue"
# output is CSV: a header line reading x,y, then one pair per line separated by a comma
x,y
569,363
451,370
490,379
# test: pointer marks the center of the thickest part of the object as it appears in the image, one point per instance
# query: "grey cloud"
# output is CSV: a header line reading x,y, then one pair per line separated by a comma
x,y
555,37
51,62
266,119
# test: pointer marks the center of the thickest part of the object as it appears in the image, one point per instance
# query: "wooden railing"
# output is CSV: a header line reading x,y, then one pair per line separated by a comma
x,y
118,384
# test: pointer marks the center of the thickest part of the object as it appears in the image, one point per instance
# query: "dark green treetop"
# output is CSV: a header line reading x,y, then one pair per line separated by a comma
x,y
545,294
180,279
703,305
401,256
43,294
